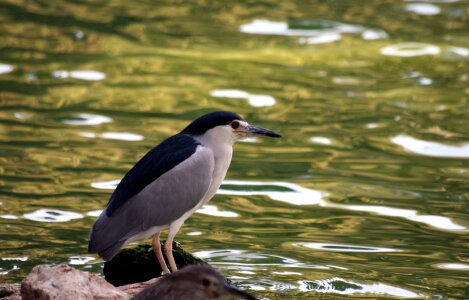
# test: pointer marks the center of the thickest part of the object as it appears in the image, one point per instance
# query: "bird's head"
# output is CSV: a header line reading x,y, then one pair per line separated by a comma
x,y
227,126
214,286
198,282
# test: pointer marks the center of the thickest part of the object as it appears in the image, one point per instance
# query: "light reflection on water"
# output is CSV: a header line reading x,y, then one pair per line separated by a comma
x,y
298,195
312,32
24,258
89,75
426,9
80,260
345,287
431,148
321,140
367,191
452,266
315,28
322,39
243,263
52,215
84,119
410,49
212,210
5,68
122,136
343,248
253,99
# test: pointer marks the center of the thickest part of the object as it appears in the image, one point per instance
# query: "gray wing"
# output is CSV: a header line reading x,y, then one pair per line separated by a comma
x,y
159,204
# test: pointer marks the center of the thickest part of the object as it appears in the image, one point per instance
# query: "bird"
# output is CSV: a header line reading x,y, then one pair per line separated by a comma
x,y
168,184
196,282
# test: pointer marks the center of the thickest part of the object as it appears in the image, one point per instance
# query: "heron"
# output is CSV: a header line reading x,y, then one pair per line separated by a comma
x,y
168,184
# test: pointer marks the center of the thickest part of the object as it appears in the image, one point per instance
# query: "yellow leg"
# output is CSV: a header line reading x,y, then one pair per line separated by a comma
x,y
168,249
159,255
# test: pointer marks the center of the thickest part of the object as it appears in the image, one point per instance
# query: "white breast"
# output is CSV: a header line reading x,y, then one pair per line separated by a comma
x,y
220,140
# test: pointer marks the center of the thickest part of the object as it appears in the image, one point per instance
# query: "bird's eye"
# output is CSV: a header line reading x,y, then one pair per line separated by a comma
x,y
206,282
235,124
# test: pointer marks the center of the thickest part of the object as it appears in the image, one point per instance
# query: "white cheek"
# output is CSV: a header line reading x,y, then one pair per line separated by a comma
x,y
217,136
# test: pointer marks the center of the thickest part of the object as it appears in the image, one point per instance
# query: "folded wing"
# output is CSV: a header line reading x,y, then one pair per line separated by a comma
x,y
159,203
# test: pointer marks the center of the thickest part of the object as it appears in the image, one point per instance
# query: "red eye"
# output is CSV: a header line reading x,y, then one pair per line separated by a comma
x,y
234,124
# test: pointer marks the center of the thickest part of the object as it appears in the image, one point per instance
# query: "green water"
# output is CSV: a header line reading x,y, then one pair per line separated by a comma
x,y
365,196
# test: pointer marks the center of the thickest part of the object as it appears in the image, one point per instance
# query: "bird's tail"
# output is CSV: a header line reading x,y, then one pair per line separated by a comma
x,y
108,253
103,239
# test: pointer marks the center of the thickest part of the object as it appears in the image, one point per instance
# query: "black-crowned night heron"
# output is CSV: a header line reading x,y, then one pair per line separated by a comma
x,y
195,283
169,184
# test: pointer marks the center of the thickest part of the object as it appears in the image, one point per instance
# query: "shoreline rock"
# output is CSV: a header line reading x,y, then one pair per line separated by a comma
x,y
47,282
139,264
10,291
128,273
62,281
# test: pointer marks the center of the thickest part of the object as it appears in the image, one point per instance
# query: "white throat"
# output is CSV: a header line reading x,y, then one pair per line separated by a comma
x,y
220,140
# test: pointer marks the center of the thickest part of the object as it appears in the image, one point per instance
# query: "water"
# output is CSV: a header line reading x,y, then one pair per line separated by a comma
x,y
365,196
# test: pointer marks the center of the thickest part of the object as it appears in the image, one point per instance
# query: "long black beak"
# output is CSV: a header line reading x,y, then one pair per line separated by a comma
x,y
238,293
262,131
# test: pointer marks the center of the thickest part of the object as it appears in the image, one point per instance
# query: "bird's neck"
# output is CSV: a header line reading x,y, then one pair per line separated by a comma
x,y
220,144
219,139
222,150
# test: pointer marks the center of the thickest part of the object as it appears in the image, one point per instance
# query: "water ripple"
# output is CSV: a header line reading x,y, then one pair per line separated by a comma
x,y
9,217
345,287
80,260
312,31
23,115
453,266
6,272
105,185
52,215
297,195
5,68
23,258
229,94
426,9
238,258
343,248
212,210
195,233
322,39
88,75
83,119
217,253
121,136
94,213
253,99
374,34
431,148
303,28
459,52
321,140
410,49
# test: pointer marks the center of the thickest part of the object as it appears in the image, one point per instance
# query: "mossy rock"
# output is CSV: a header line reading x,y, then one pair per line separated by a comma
x,y
139,264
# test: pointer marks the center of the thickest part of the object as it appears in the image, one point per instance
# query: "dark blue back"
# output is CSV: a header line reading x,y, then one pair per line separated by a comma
x,y
155,163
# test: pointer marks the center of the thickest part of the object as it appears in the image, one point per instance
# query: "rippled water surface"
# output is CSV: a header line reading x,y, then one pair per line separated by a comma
x,y
365,196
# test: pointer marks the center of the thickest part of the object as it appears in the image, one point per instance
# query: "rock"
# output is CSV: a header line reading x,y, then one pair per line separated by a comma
x,y
135,288
139,264
10,291
64,282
